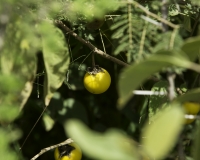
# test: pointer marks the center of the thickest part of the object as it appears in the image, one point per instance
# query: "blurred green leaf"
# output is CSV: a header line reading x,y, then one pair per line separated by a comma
x,y
191,95
192,48
110,145
133,76
48,122
196,153
18,60
159,137
56,59
8,112
6,138
197,2
157,102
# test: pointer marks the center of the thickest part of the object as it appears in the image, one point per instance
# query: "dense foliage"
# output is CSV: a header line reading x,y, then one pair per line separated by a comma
x,y
46,47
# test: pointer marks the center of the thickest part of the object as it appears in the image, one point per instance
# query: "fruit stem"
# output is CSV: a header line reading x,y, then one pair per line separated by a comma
x,y
93,60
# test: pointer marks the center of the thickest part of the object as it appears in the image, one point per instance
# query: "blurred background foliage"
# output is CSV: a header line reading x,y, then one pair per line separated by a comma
x,y
42,65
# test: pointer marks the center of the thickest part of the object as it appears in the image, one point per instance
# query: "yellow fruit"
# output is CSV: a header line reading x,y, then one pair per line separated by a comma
x,y
97,83
68,152
191,107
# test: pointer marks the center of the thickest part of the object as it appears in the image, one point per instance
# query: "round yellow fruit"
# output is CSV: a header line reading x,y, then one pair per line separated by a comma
x,y
191,107
97,83
68,152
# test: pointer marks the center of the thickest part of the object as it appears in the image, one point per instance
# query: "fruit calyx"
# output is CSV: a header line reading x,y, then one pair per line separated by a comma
x,y
94,70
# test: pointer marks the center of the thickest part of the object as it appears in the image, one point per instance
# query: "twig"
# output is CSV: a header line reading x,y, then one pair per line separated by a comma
x,y
164,11
91,46
52,147
172,39
93,60
171,88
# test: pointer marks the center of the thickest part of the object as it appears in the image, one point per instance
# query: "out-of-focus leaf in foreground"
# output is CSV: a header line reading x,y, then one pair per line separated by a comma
x,y
18,61
158,138
196,153
133,76
110,145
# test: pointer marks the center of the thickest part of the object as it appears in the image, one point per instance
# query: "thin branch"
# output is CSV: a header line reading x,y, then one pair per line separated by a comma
x,y
171,88
91,46
164,10
172,39
52,147
93,60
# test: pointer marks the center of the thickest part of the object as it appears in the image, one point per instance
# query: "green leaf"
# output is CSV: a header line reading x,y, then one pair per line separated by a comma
x,y
6,137
196,146
191,95
18,59
56,59
157,102
159,137
48,122
132,77
192,48
110,145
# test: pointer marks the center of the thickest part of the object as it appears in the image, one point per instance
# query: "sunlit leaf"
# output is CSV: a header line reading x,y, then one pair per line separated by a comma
x,y
159,137
18,59
56,59
133,76
48,122
110,145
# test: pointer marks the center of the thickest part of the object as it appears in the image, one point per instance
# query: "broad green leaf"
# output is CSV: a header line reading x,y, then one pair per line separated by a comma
x,y
110,145
18,60
196,146
134,75
191,47
191,95
5,138
157,102
159,137
56,58
48,122
197,2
